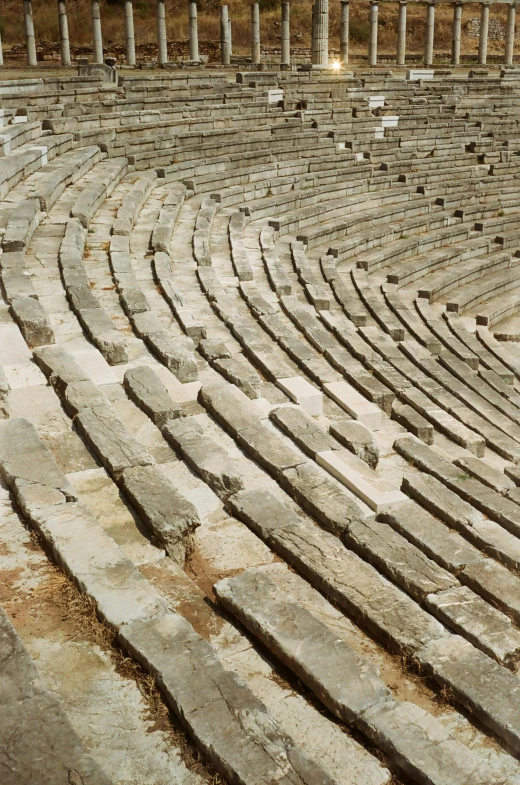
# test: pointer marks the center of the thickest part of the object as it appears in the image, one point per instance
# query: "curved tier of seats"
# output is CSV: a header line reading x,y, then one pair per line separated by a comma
x,y
254,405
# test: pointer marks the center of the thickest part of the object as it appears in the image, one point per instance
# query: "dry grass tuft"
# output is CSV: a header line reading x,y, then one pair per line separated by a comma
x,y
80,611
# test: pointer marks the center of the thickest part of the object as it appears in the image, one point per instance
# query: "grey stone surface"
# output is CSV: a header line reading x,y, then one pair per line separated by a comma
x,y
30,468
146,389
357,437
397,558
479,622
321,496
413,422
489,536
60,367
232,727
32,320
111,442
303,430
100,329
490,691
211,461
344,681
4,395
348,581
37,742
434,538
170,517
488,501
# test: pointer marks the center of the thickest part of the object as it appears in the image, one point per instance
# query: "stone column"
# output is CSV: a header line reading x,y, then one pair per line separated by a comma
x,y
372,41
162,38
320,33
230,37
97,40
401,34
29,33
225,54
64,33
455,34
429,33
1,52
343,33
510,34
255,33
483,37
286,35
194,32
129,33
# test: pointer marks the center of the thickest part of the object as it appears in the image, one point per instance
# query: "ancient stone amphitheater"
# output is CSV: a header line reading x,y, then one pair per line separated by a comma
x,y
260,427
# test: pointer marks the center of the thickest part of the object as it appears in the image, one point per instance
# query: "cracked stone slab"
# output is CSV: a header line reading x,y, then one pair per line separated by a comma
x,y
376,604
30,468
146,390
211,461
479,622
109,439
37,742
171,518
491,692
348,684
229,723
358,438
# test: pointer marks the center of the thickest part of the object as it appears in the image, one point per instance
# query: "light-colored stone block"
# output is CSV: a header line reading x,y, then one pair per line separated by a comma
x,y
376,101
377,494
5,142
390,121
354,403
44,154
273,96
304,394
414,74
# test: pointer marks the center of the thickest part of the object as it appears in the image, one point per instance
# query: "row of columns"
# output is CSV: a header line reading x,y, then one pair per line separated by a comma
x,y
97,38
320,34
430,32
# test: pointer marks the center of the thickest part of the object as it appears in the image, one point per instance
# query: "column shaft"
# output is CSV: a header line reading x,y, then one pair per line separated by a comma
x,y
97,39
401,34
429,34
343,33
455,34
29,33
194,31
320,33
64,33
372,42
129,33
162,38
255,33
483,37
286,35
225,54
1,52
230,37
510,34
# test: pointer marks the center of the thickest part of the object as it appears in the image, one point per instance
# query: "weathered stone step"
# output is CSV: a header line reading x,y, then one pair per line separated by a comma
x,y
347,684
45,749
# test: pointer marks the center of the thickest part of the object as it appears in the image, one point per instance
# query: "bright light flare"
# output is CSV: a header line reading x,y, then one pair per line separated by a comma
x,y
336,65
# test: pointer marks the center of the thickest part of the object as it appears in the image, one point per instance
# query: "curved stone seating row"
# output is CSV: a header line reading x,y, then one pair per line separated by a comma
x,y
433,578
29,158
420,632
95,320
161,640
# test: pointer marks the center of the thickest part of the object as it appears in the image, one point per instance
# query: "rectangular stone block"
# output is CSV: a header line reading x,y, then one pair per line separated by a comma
x,y
354,403
304,394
